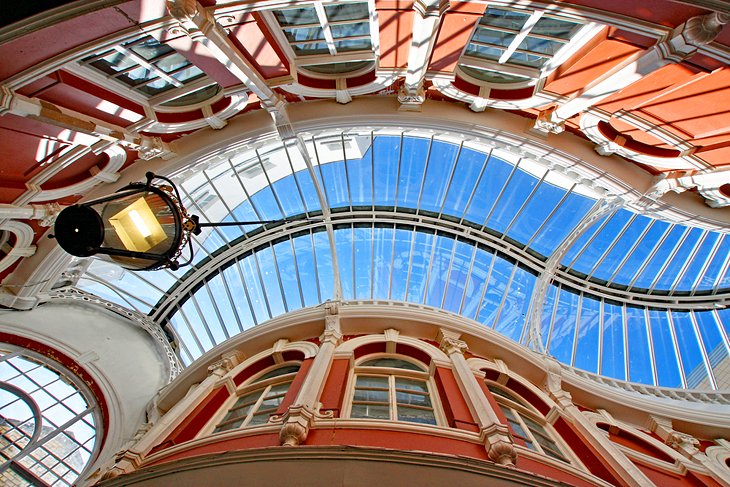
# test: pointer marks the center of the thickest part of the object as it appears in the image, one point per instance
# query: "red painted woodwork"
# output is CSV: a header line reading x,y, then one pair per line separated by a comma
x,y
635,443
453,403
665,478
195,420
252,370
257,50
33,49
369,348
528,395
456,29
385,438
534,466
202,57
585,451
333,392
229,444
396,31
594,64
295,386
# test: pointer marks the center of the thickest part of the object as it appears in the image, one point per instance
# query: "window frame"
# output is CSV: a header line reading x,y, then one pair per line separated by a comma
x,y
391,373
251,386
522,410
82,67
532,75
46,444
299,62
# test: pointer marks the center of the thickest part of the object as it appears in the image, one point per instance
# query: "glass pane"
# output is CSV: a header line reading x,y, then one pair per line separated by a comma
x,y
373,382
172,62
350,30
563,330
586,353
297,16
640,367
690,351
613,363
289,369
350,11
367,395
150,48
402,384
304,34
413,415
393,363
508,19
665,356
370,411
562,29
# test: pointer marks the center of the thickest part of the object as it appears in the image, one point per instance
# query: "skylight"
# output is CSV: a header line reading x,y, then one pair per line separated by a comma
x,y
448,223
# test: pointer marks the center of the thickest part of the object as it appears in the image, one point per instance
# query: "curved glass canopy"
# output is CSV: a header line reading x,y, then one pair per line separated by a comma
x,y
449,223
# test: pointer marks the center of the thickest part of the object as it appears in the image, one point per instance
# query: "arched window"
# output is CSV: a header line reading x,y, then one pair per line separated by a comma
x,y
49,421
259,399
527,424
395,389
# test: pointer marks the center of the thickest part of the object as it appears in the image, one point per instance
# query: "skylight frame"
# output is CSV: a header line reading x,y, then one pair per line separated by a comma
x,y
526,75
333,55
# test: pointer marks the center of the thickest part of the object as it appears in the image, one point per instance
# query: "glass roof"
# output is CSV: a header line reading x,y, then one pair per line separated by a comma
x,y
446,222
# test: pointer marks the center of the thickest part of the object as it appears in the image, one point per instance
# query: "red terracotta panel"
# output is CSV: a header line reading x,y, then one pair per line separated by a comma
x,y
396,30
546,470
381,438
192,424
295,386
232,444
201,56
35,48
256,48
597,62
252,370
648,87
455,33
583,449
334,387
669,479
700,108
455,407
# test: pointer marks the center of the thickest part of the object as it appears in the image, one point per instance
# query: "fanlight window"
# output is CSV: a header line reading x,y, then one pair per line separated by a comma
x,y
257,402
145,65
526,424
392,389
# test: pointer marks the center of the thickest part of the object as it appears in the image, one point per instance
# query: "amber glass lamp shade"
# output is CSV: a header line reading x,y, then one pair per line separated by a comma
x,y
139,227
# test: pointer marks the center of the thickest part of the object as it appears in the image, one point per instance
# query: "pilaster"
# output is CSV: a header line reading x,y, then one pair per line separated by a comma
x,y
497,439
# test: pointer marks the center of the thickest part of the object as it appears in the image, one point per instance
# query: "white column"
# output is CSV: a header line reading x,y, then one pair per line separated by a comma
x,y
298,419
496,436
426,21
200,25
617,462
